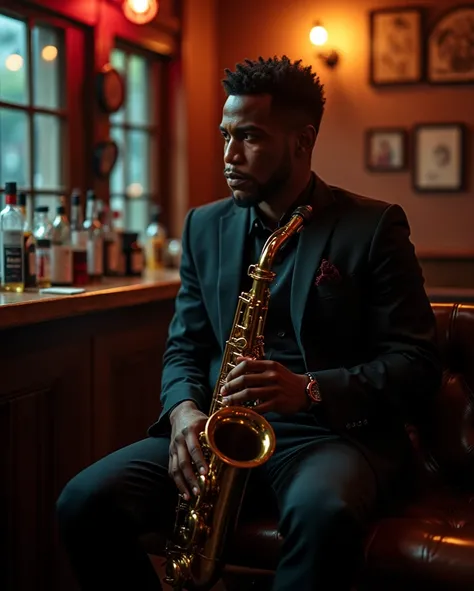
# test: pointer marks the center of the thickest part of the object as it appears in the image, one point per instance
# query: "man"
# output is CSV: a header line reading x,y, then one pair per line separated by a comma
x,y
350,354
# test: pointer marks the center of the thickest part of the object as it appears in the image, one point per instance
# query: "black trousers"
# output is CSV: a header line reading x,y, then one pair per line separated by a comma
x,y
325,489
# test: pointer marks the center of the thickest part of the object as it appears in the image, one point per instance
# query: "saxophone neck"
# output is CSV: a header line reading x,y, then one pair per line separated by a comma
x,y
300,217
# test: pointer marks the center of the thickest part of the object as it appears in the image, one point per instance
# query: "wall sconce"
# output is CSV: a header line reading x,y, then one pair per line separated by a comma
x,y
318,36
140,12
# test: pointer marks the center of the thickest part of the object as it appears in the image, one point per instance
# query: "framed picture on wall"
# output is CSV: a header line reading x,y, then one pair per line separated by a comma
x,y
386,149
450,58
396,49
439,157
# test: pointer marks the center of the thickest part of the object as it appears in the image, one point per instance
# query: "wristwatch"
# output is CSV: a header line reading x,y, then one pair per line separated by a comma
x,y
312,392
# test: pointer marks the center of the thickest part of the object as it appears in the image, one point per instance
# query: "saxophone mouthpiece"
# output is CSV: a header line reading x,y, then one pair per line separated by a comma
x,y
306,212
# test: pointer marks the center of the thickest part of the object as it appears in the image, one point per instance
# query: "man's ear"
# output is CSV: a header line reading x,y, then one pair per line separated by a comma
x,y
306,140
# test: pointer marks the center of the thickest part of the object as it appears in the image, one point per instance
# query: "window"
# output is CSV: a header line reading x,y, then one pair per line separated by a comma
x,y
35,123
134,179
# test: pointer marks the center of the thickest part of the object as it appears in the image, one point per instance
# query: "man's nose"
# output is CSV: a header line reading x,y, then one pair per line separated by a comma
x,y
233,152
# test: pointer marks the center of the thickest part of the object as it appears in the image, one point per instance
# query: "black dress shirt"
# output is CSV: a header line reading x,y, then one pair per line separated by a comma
x,y
279,335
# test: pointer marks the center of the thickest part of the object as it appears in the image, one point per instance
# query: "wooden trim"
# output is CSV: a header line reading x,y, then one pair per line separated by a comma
x,y
459,255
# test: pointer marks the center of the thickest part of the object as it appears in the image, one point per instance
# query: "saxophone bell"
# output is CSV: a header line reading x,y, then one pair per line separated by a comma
x,y
240,437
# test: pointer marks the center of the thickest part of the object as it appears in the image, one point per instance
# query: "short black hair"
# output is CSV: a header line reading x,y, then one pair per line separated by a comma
x,y
291,85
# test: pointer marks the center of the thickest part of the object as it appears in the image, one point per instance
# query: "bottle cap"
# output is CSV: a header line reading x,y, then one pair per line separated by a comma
x,y
43,243
61,210
10,188
42,209
22,199
91,195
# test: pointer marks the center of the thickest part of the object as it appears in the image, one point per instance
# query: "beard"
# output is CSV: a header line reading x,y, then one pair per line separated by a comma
x,y
258,192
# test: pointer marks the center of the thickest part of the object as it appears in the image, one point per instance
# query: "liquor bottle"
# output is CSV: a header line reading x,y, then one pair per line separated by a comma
x,y
12,248
95,239
61,250
111,243
42,229
155,242
29,245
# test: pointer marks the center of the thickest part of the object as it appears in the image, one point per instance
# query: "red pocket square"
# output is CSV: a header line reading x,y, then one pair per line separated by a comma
x,y
327,273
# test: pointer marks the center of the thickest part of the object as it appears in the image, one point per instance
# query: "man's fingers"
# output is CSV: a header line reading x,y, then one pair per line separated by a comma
x,y
195,450
251,380
186,468
177,476
249,394
247,365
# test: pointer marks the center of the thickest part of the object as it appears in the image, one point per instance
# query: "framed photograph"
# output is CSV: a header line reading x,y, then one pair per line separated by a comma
x,y
386,149
439,157
450,58
396,46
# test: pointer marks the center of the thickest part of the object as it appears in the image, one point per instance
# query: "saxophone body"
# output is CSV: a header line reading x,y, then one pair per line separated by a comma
x,y
235,439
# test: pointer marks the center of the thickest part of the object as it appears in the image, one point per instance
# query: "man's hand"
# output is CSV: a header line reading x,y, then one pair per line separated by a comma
x,y
186,424
275,387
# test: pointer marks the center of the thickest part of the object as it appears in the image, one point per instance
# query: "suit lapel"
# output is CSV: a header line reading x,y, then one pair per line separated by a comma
x,y
310,251
232,232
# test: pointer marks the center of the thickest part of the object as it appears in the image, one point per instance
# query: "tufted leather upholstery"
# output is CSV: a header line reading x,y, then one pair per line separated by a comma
x,y
430,542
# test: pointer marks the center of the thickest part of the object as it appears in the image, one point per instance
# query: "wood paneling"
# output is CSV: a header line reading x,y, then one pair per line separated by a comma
x,y
71,390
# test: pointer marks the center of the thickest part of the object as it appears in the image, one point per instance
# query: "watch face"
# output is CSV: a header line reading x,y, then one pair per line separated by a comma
x,y
313,391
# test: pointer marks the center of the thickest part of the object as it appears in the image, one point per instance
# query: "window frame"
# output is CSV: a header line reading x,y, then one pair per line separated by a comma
x,y
158,129
74,172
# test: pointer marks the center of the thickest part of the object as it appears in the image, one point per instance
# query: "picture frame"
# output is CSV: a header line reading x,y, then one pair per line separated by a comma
x,y
397,47
450,47
439,151
386,149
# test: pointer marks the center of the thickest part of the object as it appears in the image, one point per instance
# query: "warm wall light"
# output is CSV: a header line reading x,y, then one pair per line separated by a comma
x,y
140,12
14,62
49,53
318,36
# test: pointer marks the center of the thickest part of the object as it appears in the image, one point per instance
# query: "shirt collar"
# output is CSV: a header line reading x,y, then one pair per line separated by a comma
x,y
304,198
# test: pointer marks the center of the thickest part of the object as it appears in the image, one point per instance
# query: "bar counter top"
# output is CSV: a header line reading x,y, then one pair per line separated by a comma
x,y
31,307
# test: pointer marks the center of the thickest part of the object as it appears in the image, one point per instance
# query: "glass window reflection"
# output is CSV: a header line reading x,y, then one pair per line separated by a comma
x,y
13,61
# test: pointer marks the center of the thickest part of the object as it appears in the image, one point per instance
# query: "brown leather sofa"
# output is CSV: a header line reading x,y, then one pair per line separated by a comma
x,y
429,543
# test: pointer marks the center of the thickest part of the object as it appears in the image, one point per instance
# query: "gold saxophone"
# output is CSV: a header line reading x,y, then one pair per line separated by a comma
x,y
235,438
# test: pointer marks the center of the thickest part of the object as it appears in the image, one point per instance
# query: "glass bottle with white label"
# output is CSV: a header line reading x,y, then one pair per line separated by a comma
x,y
61,250
95,239
12,246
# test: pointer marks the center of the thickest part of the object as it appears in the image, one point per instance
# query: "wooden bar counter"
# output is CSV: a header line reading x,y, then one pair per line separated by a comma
x,y
80,377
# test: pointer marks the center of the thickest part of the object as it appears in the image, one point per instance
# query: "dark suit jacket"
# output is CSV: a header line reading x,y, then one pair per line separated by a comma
x,y
369,337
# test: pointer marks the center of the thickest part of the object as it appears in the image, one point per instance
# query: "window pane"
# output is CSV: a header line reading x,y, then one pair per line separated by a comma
x,y
14,148
138,160
138,87
13,61
117,181
48,152
118,60
47,70
138,214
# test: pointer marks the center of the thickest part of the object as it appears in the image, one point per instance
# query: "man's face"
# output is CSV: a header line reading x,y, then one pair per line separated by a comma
x,y
257,149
